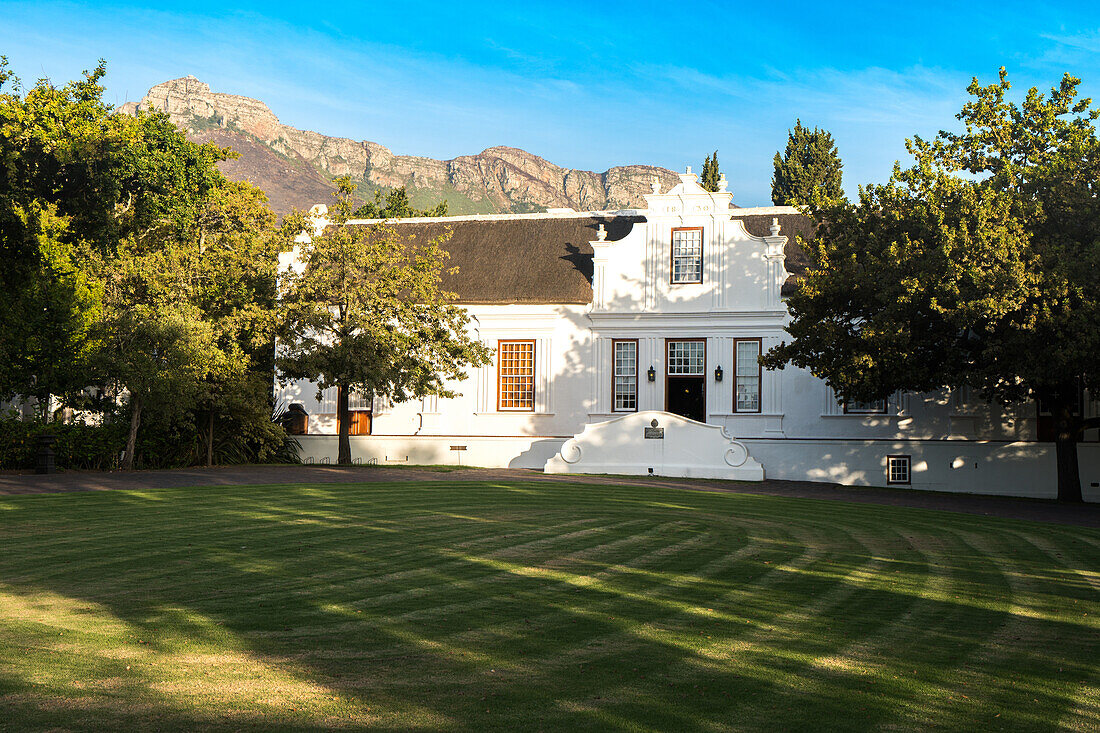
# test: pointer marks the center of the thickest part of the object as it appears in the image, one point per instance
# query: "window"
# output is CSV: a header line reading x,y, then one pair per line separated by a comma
x,y
686,358
897,469
854,407
687,256
746,393
625,387
516,375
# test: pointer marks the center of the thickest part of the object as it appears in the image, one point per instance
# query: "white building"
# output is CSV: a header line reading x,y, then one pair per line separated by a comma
x,y
597,316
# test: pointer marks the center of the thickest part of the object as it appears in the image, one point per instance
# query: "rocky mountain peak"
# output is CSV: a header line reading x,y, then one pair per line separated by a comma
x,y
295,167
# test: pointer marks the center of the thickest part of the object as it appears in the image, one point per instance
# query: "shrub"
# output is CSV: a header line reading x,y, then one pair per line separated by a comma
x,y
78,445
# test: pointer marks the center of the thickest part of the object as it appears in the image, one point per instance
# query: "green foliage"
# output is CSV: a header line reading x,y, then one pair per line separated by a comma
x,y
396,206
78,446
366,312
134,264
809,170
711,174
976,266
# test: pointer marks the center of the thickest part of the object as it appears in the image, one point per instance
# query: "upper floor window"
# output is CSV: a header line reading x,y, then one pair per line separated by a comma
x,y
746,397
625,387
516,375
687,255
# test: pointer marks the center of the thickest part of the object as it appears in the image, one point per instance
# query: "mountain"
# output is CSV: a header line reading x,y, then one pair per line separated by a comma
x,y
295,167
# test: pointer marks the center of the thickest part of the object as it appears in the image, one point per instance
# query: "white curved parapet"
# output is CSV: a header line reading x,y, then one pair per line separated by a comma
x,y
658,443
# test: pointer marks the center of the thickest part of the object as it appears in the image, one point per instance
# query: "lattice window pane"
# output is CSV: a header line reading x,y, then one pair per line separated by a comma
x,y
687,256
626,376
686,357
747,370
517,375
626,393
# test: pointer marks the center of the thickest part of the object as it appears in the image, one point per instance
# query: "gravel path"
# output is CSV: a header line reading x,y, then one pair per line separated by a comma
x,y
1087,515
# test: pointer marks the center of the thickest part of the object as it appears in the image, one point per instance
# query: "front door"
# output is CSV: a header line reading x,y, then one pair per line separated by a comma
x,y
685,381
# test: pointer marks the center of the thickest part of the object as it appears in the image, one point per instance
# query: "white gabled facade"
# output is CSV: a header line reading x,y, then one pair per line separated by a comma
x,y
731,302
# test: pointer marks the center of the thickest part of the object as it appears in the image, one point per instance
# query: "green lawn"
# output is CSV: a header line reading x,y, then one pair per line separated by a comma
x,y
537,606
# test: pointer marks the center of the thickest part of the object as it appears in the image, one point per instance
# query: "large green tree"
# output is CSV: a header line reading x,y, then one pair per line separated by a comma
x,y
203,292
974,267
231,267
131,262
59,151
75,181
809,168
363,311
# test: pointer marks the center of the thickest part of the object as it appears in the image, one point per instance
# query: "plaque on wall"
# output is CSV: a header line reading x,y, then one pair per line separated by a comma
x,y
654,433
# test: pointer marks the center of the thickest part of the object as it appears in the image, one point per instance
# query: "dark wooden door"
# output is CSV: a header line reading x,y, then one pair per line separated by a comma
x,y
685,397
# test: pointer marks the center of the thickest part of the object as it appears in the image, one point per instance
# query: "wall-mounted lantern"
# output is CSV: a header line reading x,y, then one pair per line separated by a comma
x,y
717,374
651,374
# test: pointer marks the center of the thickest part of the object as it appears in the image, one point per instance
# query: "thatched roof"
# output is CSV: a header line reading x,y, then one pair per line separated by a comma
x,y
525,259
536,259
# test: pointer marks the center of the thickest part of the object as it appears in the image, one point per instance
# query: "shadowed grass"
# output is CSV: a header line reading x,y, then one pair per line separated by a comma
x,y
537,605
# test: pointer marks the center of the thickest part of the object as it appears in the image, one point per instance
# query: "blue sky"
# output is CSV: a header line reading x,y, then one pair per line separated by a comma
x,y
583,85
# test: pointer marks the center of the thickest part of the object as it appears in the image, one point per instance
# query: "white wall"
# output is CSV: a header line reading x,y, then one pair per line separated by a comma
x,y
983,467
400,450
562,371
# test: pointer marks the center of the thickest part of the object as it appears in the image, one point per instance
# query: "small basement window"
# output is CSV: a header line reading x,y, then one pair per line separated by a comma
x,y
898,470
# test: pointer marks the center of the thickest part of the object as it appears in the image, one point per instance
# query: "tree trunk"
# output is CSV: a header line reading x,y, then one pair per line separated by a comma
x,y
343,424
131,439
1065,444
210,439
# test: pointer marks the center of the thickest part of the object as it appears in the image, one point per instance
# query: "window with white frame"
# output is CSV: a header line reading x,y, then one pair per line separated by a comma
x,y
687,256
898,469
625,388
516,375
686,358
747,375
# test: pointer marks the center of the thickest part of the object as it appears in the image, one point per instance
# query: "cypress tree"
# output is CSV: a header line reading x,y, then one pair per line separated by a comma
x,y
710,172
809,168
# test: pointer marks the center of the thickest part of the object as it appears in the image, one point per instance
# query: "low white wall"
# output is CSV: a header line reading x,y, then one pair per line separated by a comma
x,y
659,443
386,450
979,467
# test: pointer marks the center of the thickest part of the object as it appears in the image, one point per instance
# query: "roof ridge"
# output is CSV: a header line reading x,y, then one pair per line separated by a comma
x,y
763,210
568,214
557,214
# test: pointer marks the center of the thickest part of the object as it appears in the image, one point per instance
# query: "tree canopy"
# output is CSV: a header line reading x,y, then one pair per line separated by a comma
x,y
130,262
809,168
395,205
976,266
363,311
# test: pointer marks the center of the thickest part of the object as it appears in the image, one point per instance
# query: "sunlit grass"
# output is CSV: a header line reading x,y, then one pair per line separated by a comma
x,y
500,605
